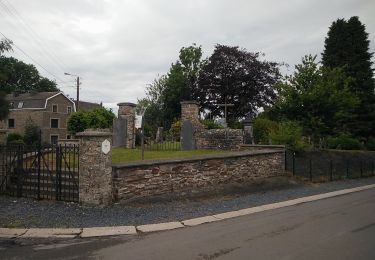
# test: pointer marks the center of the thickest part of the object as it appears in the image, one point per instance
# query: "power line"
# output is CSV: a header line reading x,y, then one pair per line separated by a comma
x,y
31,58
12,11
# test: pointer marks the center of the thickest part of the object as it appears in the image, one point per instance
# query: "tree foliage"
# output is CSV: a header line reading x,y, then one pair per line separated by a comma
x,y
32,133
318,98
236,76
347,47
96,118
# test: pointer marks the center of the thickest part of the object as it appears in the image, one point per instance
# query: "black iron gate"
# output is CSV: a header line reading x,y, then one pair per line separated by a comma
x,y
47,172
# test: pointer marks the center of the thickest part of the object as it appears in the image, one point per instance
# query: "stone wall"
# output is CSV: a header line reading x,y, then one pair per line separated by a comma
x,y
219,139
204,138
184,176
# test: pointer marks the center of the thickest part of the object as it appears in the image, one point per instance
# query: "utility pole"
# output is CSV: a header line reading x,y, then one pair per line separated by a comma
x,y
78,83
77,105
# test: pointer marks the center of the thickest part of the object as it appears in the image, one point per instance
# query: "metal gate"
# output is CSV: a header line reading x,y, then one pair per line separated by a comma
x,y
47,172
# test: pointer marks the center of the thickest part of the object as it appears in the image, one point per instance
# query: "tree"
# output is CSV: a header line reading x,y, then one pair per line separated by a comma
x,y
96,118
15,75
32,133
234,75
347,46
319,98
5,46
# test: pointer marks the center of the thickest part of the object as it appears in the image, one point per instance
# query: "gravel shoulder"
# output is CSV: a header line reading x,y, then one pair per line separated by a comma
x,y
29,213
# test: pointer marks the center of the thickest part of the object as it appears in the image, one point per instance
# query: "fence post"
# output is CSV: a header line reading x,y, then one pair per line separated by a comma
x,y
347,168
19,170
294,163
330,170
361,169
310,164
39,154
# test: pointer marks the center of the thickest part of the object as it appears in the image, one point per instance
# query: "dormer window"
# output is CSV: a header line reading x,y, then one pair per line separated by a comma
x,y
20,104
54,108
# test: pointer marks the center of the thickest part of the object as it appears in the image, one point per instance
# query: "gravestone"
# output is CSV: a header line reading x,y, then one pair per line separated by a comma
x,y
187,136
120,132
248,130
159,135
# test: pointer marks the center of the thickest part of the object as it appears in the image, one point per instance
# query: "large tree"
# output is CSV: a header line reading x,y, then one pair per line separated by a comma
x,y
234,75
347,46
319,98
16,75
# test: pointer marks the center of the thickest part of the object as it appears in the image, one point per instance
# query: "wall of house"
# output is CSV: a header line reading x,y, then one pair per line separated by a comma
x,y
42,118
185,176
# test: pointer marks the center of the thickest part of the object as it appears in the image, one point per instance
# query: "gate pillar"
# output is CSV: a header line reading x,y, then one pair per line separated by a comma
x,y
95,167
126,112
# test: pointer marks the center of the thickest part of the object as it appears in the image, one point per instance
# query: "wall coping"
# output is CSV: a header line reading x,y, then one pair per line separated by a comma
x,y
194,158
127,104
263,146
93,132
189,102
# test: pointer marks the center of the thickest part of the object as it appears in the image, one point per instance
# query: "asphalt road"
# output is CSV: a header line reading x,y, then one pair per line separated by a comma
x,y
337,228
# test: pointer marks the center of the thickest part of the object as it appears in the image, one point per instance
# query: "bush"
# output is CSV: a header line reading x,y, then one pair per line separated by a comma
x,y
211,124
175,129
235,124
288,133
370,145
97,118
262,129
14,138
343,142
32,134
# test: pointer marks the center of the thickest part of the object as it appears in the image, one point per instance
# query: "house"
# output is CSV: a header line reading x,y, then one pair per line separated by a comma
x,y
48,110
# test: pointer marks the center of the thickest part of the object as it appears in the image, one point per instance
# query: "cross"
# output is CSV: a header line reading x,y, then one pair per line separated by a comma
x,y
226,105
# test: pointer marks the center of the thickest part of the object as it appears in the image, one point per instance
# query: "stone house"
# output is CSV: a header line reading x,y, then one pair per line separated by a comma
x,y
48,110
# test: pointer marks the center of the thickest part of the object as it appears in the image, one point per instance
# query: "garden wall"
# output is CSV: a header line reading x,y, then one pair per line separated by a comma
x,y
191,175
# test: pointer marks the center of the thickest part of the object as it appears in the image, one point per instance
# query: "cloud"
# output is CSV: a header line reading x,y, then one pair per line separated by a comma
x,y
118,47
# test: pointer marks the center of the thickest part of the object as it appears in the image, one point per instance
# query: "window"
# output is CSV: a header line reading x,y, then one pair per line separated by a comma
x,y
20,104
54,139
69,110
54,123
68,137
10,123
54,108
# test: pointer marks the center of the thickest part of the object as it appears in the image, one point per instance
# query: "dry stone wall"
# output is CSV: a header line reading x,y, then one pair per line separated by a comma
x,y
184,176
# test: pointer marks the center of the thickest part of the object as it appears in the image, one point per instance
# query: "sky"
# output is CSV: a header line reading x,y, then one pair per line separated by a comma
x,y
117,47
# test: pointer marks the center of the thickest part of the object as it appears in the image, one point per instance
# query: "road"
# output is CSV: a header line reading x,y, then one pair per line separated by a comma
x,y
337,228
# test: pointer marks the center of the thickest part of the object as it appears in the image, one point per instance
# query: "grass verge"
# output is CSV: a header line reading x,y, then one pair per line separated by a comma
x,y
126,155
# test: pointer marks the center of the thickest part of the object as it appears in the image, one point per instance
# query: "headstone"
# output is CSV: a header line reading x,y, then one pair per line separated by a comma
x,y
159,135
248,131
187,136
120,132
222,122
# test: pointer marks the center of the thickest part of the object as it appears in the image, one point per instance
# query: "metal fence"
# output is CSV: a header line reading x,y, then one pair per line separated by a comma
x,y
41,172
166,143
330,165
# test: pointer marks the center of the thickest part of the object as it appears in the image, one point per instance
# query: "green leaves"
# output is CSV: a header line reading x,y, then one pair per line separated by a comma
x,y
96,118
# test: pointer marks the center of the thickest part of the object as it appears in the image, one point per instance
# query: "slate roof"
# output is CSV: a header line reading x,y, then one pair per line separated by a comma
x,y
30,100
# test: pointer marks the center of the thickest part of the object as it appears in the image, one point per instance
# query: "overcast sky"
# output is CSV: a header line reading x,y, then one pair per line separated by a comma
x,y
117,47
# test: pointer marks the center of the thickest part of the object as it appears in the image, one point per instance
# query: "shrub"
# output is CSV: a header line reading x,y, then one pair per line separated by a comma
x,y
175,129
32,134
288,133
235,124
14,138
211,124
343,142
262,129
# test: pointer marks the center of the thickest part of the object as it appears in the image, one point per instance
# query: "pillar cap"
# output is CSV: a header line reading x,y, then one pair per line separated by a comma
x,y
95,132
129,104
189,102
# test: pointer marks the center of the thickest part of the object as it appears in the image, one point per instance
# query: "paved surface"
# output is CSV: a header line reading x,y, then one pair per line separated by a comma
x,y
29,213
336,228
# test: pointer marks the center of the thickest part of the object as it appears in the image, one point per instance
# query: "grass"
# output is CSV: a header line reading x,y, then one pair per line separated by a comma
x,y
126,155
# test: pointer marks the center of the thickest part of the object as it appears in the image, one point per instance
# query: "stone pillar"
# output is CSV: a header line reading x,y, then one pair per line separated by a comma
x,y
95,167
191,127
127,111
248,130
